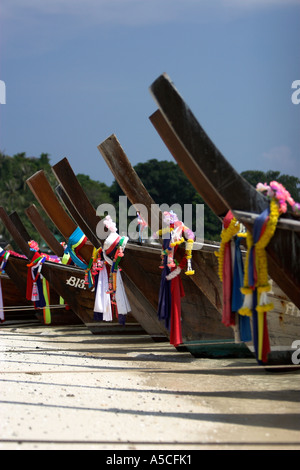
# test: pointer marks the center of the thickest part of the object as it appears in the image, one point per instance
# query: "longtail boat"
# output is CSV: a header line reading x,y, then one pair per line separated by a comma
x,y
222,179
17,270
203,334
223,189
74,286
140,306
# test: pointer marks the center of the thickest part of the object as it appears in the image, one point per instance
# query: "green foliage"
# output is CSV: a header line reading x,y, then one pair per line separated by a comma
x,y
15,194
97,193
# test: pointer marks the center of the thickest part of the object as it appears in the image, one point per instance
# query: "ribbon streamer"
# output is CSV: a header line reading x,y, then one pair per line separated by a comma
x,y
102,306
34,289
237,296
76,240
170,294
2,315
46,309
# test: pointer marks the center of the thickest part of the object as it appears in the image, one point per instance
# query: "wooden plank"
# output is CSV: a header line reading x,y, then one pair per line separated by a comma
x,y
15,218
200,183
18,238
64,174
284,224
77,217
45,195
200,149
128,180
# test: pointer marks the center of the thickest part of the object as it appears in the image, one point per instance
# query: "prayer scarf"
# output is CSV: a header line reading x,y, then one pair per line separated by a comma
x,y
237,296
170,294
259,319
102,306
119,300
37,289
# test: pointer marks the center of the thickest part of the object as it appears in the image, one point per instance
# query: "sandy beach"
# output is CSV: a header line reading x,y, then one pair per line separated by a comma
x,y
63,388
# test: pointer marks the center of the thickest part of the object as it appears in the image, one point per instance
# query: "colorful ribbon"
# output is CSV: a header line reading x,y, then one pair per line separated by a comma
x,y
119,299
231,273
170,294
4,255
2,316
237,296
256,283
46,309
34,289
260,327
76,240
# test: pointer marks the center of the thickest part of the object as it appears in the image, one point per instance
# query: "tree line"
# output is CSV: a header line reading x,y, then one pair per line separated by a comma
x,y
164,181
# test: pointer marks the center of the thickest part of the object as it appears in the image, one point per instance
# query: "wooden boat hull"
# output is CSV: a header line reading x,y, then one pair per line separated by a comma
x,y
223,189
62,286
204,335
141,309
213,176
200,320
68,282
283,327
200,317
14,295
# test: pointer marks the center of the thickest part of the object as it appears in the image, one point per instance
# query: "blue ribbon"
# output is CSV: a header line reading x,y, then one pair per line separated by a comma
x,y
73,239
237,296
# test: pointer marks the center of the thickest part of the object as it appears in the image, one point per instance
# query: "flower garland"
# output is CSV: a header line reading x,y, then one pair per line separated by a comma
x,y
231,227
171,287
263,284
112,283
95,265
176,229
226,269
259,257
278,191
33,245
256,282
188,254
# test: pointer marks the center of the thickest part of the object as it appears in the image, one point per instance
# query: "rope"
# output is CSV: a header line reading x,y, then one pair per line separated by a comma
x,y
27,307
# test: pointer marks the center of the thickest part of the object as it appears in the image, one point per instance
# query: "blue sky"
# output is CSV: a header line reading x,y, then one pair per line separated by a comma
x,y
77,71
